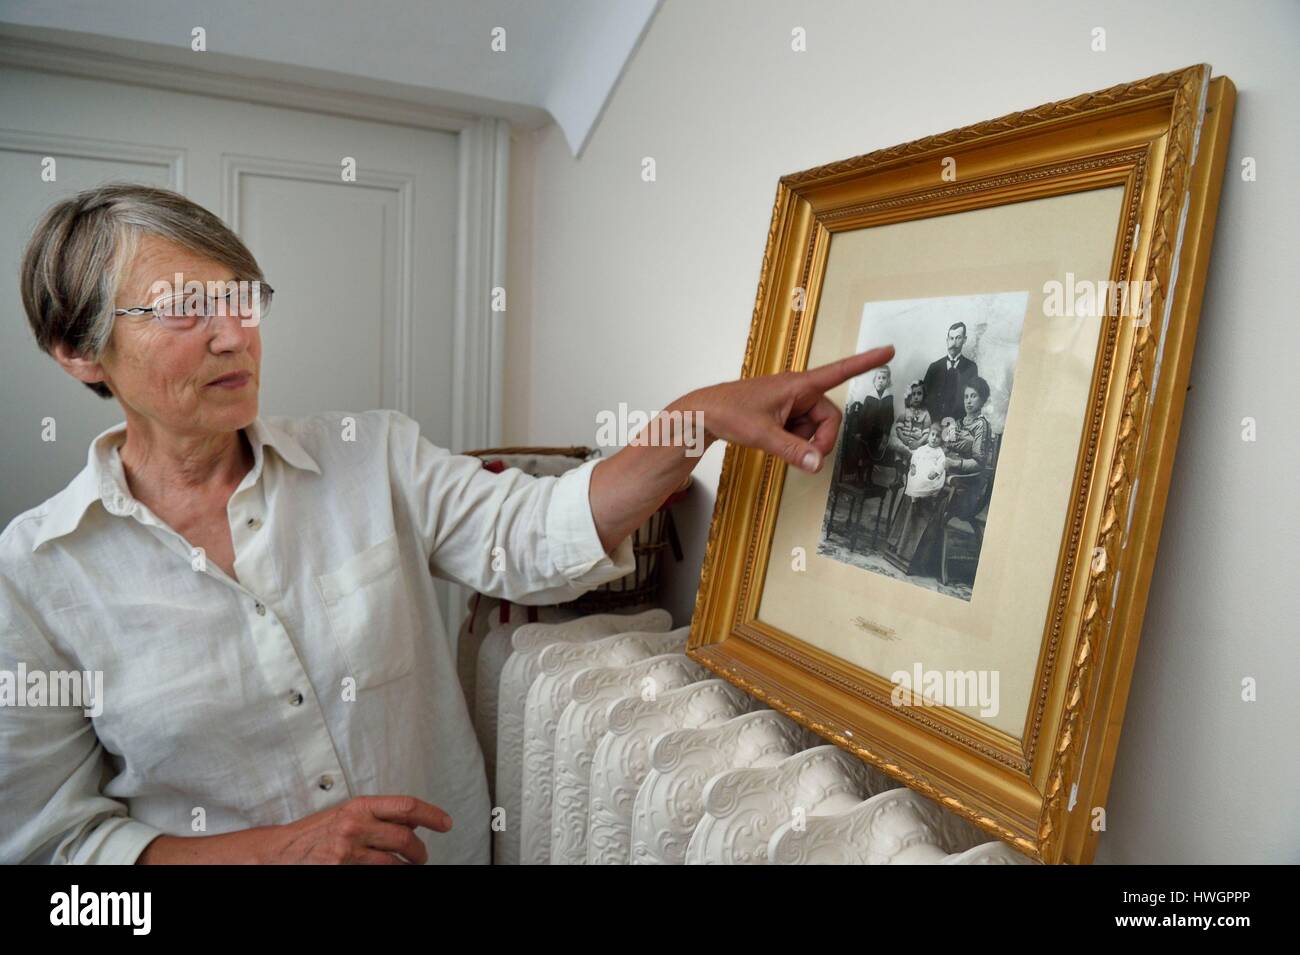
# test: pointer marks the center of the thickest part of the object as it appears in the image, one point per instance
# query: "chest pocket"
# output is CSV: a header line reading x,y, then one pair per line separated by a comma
x,y
371,614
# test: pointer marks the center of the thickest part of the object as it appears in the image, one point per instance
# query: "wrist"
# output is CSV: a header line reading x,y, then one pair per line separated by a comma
x,y
687,414
245,846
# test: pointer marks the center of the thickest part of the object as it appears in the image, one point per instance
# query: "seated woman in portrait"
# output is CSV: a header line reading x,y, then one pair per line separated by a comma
x,y
970,452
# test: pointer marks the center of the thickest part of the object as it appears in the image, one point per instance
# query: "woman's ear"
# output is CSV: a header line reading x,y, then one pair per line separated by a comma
x,y
87,370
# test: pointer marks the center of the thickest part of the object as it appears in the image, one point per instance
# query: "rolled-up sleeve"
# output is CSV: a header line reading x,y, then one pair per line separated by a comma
x,y
571,531
52,767
519,537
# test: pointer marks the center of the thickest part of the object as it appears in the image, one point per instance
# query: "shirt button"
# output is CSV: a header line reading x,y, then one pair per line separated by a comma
x,y
254,523
327,783
260,608
295,698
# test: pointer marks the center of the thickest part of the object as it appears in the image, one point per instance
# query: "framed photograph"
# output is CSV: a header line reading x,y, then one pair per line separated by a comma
x,y
957,595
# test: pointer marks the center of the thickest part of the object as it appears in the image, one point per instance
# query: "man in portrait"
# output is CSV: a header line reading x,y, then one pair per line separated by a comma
x,y
947,377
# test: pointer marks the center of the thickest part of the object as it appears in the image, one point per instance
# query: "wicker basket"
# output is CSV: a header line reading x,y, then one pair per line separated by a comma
x,y
638,588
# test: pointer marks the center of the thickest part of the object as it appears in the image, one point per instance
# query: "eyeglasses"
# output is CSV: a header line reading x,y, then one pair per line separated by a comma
x,y
181,311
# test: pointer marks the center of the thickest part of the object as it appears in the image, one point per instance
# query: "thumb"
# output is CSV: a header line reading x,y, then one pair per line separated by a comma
x,y
793,450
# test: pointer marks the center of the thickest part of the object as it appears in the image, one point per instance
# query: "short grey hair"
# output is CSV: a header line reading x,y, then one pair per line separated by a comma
x,y
82,248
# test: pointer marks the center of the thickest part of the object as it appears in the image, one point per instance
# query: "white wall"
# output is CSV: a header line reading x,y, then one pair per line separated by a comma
x,y
629,291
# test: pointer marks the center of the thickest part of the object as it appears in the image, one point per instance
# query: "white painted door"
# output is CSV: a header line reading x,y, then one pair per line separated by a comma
x,y
363,271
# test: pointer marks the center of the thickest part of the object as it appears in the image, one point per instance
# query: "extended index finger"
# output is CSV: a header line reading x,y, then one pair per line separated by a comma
x,y
825,377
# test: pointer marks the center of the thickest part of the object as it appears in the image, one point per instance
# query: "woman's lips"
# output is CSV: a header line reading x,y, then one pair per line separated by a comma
x,y
237,380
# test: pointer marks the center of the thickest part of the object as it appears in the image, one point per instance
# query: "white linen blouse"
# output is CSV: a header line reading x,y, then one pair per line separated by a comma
x,y
322,673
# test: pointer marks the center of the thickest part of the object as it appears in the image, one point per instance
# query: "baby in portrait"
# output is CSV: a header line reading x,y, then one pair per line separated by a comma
x,y
926,472
949,432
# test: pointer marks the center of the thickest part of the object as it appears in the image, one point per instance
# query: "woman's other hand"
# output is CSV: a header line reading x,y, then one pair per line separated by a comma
x,y
367,830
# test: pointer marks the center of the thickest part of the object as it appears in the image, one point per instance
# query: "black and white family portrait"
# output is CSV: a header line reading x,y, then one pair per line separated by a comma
x,y
918,449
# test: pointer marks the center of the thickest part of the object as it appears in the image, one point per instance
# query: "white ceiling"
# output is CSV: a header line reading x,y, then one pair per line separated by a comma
x,y
562,59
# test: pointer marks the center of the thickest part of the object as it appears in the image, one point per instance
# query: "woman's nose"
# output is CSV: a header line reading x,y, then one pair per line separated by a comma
x,y
230,332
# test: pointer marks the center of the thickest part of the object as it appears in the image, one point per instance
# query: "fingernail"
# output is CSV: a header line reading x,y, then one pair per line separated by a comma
x,y
811,459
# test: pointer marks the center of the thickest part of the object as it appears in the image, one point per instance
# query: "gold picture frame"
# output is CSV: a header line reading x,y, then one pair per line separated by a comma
x,y
1159,145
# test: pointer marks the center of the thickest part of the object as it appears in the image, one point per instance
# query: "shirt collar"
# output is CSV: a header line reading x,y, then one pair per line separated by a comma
x,y
104,480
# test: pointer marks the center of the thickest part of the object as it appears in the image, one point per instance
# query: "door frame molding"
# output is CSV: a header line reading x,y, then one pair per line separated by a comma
x,y
122,61
478,376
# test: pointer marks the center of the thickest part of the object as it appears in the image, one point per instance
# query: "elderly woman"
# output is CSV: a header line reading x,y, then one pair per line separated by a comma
x,y
257,592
